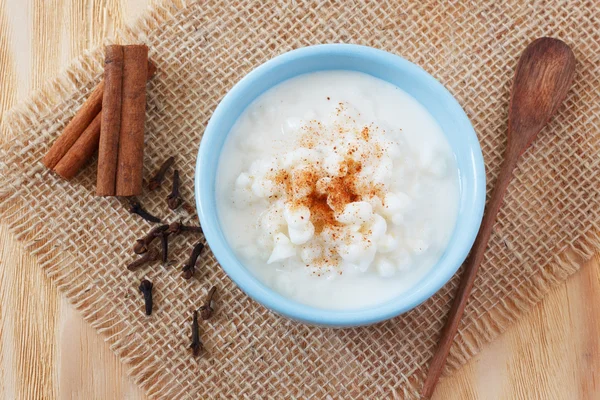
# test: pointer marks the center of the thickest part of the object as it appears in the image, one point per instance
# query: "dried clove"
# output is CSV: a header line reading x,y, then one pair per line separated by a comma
x,y
206,311
196,345
141,245
157,179
164,242
148,257
189,268
174,200
177,227
146,289
136,208
190,209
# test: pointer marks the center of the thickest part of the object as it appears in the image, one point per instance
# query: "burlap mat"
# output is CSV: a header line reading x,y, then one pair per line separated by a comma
x,y
84,242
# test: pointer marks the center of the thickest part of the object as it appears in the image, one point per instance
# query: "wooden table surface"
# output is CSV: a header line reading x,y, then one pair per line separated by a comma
x,y
48,351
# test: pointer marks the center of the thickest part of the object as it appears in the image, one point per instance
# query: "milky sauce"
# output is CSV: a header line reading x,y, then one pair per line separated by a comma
x,y
337,189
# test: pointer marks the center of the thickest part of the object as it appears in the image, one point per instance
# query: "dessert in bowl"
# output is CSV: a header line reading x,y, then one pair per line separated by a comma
x,y
339,185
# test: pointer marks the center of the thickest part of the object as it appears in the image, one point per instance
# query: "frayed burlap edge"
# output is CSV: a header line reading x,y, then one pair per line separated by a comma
x,y
143,367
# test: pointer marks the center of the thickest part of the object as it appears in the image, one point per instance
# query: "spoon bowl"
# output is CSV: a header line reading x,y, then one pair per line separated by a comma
x,y
542,79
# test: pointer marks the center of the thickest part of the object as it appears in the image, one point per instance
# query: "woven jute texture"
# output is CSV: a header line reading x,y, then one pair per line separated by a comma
x,y
549,223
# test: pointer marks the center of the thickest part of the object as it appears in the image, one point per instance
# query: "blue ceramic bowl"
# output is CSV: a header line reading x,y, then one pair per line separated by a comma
x,y
405,75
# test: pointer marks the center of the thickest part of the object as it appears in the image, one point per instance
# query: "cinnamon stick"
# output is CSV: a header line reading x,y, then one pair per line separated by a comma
x,y
111,121
81,151
64,147
133,115
82,119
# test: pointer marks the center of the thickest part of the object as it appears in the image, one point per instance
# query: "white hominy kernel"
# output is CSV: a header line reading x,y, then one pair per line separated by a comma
x,y
393,203
385,267
263,188
402,260
259,168
353,228
242,192
375,203
299,156
332,163
283,249
398,219
359,252
349,114
351,253
322,185
383,172
378,227
387,243
330,238
243,180
296,215
272,221
356,213
301,234
394,150
310,252
366,261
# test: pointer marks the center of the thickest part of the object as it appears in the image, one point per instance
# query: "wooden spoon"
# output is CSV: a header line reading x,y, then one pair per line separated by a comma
x,y
542,79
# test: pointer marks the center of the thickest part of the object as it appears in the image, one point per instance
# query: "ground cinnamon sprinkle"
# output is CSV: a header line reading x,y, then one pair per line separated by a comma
x,y
365,133
312,130
310,185
304,182
344,189
321,215
283,178
301,188
325,186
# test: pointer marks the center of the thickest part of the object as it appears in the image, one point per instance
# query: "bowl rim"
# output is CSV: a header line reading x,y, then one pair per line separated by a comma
x,y
267,296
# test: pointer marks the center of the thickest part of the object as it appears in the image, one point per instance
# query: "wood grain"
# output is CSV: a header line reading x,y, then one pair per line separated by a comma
x,y
47,351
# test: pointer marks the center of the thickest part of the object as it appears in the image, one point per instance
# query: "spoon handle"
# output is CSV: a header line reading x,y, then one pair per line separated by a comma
x,y
468,278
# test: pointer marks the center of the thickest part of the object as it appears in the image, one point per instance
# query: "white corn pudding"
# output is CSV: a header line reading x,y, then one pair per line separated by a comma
x,y
337,189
